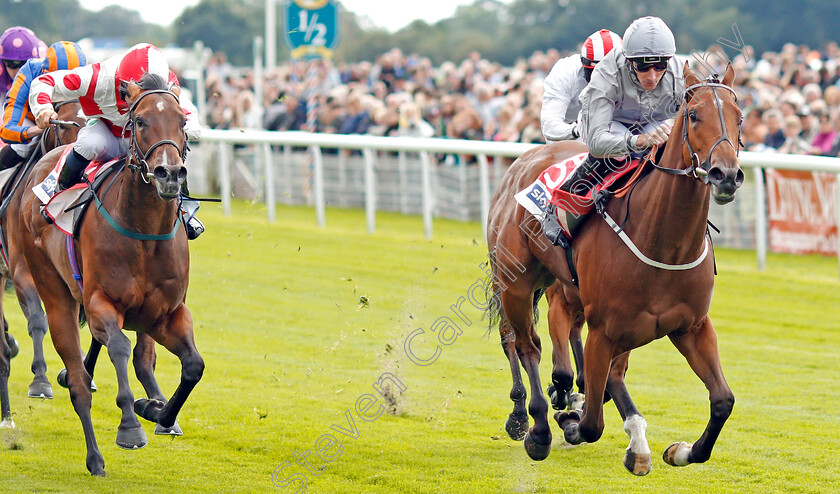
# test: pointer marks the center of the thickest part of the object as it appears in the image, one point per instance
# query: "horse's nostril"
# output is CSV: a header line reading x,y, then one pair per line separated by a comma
x,y
182,174
716,175
160,173
739,178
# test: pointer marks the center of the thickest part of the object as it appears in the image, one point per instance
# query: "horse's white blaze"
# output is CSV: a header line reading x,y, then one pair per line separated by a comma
x,y
161,106
165,158
635,427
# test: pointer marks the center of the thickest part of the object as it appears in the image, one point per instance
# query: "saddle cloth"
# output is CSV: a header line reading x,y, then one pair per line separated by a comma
x,y
571,209
58,206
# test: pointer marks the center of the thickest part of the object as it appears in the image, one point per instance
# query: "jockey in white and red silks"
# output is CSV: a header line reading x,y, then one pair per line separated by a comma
x,y
101,91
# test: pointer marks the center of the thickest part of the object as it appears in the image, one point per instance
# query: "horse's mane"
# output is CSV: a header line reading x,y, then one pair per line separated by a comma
x,y
147,82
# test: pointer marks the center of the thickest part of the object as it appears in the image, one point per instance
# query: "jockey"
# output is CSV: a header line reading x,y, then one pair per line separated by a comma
x,y
628,105
17,45
568,77
101,90
19,129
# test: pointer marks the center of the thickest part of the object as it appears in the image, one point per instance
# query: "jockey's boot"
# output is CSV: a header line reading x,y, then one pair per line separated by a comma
x,y
551,227
71,173
585,177
194,226
9,158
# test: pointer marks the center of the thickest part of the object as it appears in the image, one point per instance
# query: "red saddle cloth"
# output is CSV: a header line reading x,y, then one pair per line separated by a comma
x,y
555,176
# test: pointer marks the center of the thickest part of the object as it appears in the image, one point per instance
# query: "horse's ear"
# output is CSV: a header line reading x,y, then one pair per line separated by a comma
x,y
133,91
729,76
690,78
176,90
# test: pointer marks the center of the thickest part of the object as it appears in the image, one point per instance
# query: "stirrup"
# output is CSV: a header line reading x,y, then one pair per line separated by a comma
x,y
552,229
44,214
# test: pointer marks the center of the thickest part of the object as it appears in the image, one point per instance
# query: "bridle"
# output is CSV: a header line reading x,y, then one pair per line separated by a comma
x,y
698,169
138,159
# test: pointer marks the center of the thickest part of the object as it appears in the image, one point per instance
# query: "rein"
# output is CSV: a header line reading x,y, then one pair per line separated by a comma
x,y
697,169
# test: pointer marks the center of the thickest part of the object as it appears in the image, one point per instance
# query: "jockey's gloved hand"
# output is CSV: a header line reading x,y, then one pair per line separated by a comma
x,y
43,118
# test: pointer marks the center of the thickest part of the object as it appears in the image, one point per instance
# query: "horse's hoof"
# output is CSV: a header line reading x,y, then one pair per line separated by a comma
x,y
62,378
536,451
558,400
676,454
516,427
13,345
565,418
148,409
62,381
96,465
637,464
133,438
175,430
576,401
7,424
40,389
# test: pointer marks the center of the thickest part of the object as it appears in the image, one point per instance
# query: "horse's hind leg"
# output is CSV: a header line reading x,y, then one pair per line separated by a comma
x,y
106,326
144,368
516,424
517,302
701,351
561,321
177,337
637,456
5,355
36,322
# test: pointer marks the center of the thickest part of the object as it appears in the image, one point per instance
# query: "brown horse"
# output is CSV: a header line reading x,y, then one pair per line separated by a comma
x,y
627,299
62,131
133,255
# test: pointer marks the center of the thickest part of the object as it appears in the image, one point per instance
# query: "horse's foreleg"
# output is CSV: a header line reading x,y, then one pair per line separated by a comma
x,y
701,351
106,327
177,337
560,326
596,366
516,424
144,360
36,322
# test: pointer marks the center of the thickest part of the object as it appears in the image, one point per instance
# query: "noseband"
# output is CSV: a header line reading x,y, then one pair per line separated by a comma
x,y
698,169
137,157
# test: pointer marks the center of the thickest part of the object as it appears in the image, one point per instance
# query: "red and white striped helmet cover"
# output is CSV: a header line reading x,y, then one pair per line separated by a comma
x,y
598,45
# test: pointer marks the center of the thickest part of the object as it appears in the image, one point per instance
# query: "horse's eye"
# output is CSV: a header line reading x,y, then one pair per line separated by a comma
x,y
692,115
140,123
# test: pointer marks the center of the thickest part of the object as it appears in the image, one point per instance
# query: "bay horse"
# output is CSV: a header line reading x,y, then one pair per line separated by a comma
x,y
626,301
63,130
133,256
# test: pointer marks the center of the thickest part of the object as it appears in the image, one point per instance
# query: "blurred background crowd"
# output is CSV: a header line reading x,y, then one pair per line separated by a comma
x,y
790,98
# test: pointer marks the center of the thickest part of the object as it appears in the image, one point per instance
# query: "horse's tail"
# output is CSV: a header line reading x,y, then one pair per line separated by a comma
x,y
82,316
537,296
493,311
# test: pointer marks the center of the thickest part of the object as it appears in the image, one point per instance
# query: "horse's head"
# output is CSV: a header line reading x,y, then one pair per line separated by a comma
x,y
158,141
711,122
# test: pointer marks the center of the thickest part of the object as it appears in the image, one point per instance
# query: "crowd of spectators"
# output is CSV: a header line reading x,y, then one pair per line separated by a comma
x,y
790,99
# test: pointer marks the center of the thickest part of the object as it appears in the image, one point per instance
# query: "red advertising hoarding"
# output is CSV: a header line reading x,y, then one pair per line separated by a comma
x,y
802,211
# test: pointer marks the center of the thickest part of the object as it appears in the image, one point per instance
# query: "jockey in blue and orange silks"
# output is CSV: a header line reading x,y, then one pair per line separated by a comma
x,y
101,91
18,128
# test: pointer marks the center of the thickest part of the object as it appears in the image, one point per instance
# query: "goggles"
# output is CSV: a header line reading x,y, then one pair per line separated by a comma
x,y
14,64
645,64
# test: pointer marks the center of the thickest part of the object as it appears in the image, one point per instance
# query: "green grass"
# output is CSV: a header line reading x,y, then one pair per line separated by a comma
x,y
289,348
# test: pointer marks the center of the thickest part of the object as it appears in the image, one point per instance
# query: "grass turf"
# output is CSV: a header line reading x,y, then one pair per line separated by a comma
x,y
296,323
